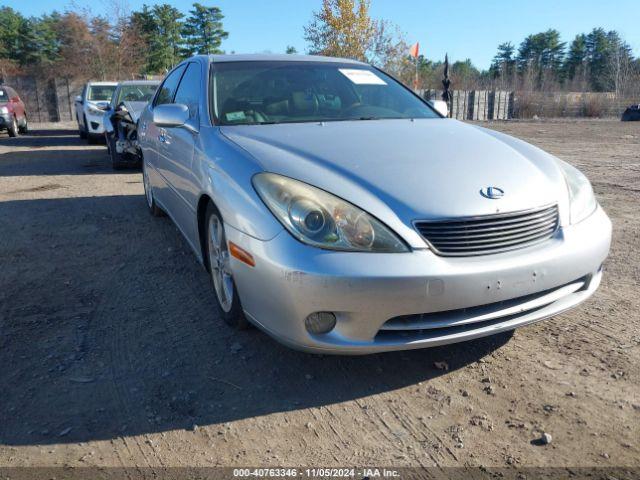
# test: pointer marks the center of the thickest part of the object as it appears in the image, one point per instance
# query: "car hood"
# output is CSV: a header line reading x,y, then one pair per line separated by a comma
x,y
97,103
406,170
135,109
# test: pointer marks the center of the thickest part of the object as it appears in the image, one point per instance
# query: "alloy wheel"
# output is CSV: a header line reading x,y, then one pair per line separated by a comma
x,y
219,262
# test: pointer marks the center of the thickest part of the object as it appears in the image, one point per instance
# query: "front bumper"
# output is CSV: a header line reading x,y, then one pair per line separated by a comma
x,y
95,124
368,291
5,121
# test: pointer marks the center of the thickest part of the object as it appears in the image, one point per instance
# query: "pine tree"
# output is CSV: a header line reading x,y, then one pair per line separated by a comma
x,y
609,58
161,29
504,62
575,66
542,55
597,54
202,31
10,25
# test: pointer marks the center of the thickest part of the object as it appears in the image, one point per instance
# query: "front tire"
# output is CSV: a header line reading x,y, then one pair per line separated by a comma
x,y
219,263
116,158
13,128
82,130
148,193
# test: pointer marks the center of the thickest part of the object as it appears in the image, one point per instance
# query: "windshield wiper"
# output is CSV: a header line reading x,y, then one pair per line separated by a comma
x,y
381,118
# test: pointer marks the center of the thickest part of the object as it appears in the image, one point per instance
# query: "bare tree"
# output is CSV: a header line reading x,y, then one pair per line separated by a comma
x,y
127,41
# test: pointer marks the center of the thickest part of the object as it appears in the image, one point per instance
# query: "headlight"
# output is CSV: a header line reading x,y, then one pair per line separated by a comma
x,y
318,218
95,111
581,197
4,110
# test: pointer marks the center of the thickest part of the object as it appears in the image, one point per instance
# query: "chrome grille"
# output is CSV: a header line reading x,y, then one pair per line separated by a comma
x,y
490,233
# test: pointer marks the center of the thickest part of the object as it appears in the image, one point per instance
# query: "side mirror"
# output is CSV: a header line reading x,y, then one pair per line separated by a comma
x,y
171,115
440,106
79,98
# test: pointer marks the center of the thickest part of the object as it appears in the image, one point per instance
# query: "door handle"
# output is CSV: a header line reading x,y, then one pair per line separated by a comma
x,y
162,136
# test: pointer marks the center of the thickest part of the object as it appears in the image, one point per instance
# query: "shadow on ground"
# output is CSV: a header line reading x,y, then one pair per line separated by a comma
x,y
54,152
108,328
44,138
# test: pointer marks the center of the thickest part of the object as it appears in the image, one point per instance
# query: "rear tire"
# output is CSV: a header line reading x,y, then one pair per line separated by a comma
x,y
24,129
148,193
13,128
218,261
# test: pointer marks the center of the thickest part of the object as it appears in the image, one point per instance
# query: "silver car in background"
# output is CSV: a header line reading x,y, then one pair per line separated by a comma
x,y
340,213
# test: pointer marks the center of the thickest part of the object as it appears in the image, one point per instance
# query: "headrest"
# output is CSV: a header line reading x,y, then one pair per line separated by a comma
x,y
303,102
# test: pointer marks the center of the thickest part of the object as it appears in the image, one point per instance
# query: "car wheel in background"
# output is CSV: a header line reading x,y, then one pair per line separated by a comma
x,y
116,158
219,264
25,126
82,130
148,193
13,128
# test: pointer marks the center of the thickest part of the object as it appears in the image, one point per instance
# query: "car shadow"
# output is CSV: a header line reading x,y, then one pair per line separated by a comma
x,y
108,328
38,161
44,138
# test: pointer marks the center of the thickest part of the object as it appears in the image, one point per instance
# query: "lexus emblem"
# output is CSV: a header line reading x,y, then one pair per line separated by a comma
x,y
492,192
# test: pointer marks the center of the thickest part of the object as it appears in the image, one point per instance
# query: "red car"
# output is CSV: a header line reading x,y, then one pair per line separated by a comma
x,y
13,115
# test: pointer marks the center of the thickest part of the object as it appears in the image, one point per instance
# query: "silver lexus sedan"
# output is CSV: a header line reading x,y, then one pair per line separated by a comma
x,y
340,213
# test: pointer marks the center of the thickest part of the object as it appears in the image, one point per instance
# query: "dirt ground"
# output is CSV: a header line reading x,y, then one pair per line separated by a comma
x,y
112,354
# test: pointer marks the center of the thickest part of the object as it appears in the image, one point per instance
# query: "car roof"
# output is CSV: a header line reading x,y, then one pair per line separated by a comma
x,y
140,82
106,84
261,57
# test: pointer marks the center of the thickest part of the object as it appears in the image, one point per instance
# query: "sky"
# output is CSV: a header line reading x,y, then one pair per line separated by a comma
x,y
463,28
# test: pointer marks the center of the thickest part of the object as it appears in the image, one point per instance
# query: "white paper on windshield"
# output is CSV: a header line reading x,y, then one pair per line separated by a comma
x,y
362,77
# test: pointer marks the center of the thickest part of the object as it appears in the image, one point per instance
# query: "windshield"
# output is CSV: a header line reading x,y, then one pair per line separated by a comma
x,y
287,92
136,93
100,93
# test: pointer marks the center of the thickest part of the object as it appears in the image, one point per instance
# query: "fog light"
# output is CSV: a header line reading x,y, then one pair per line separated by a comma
x,y
320,322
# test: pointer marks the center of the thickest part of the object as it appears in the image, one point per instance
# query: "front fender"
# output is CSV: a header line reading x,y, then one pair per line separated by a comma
x,y
225,171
